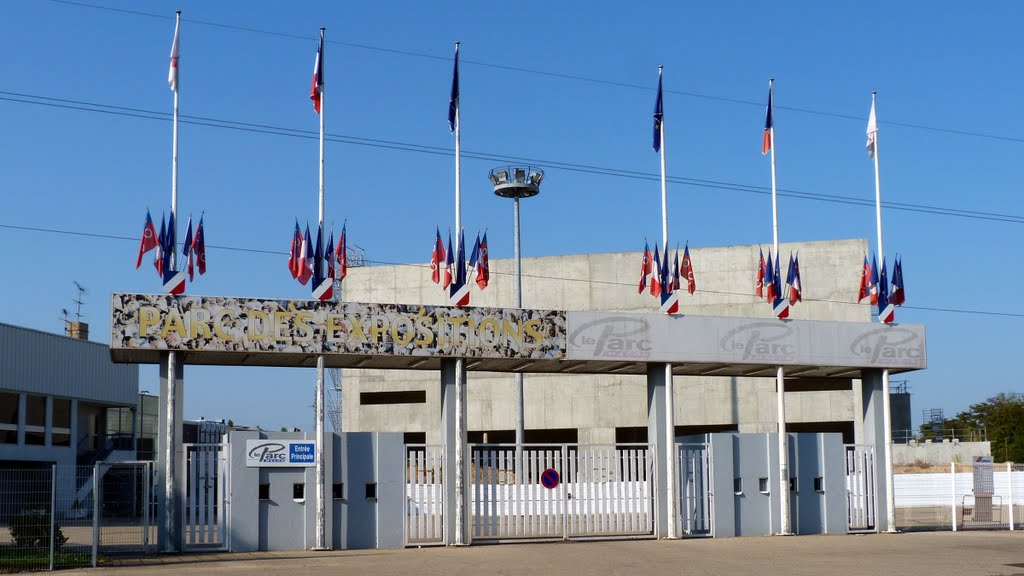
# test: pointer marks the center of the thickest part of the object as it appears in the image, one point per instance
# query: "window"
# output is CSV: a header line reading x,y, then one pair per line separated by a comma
x,y
397,397
298,491
819,484
61,422
762,485
35,420
8,418
338,491
371,490
264,491
737,486
792,485
415,437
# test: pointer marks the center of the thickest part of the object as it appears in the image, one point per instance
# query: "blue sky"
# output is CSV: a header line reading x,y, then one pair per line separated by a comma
x,y
563,84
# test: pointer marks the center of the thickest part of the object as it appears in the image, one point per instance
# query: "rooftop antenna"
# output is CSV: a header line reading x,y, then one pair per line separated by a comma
x,y
78,301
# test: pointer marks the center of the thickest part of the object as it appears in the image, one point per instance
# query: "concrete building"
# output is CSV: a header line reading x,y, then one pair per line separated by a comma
x,y
610,408
62,400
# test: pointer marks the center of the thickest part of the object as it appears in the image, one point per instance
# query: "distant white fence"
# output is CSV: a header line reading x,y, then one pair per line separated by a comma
x,y
947,500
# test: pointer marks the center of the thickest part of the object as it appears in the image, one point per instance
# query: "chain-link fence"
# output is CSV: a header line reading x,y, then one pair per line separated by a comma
x,y
960,496
67,516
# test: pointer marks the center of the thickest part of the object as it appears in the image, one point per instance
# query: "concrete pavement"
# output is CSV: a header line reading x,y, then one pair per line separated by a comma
x,y
911,554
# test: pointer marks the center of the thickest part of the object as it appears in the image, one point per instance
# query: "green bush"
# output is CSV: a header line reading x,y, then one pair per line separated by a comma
x,y
31,529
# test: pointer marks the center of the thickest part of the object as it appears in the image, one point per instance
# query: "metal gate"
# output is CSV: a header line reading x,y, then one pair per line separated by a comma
x,y
123,507
694,517
860,488
561,491
424,494
205,514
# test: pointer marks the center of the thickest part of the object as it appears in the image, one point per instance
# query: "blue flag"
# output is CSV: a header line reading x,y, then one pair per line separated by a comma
x,y
659,116
453,101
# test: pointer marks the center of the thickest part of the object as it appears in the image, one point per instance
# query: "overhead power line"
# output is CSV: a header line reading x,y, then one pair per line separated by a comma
x,y
131,112
283,253
538,72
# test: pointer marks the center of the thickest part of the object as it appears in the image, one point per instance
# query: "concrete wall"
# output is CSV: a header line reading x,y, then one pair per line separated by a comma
x,y
597,404
938,453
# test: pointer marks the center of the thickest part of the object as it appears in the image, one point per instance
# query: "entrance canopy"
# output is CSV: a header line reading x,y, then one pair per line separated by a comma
x,y
228,331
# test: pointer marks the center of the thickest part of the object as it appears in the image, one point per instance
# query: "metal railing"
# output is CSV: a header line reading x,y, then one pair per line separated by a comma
x,y
945,499
939,435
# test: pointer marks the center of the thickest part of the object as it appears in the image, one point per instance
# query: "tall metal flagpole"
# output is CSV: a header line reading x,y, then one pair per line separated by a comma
x,y
780,382
670,419
890,500
171,447
321,502
460,363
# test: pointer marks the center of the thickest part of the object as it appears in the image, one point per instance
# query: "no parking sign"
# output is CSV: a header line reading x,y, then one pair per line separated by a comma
x,y
550,478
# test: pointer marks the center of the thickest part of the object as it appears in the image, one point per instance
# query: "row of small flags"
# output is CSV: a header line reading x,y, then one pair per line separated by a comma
x,y
876,288
165,244
770,287
454,276
323,264
663,281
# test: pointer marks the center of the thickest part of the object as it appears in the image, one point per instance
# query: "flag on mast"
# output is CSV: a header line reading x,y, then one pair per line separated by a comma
x,y
795,285
474,261
436,257
453,100
341,253
759,283
687,270
865,281
674,275
323,285
886,309
459,295
305,259
199,247
317,89
898,295
656,274
483,270
449,264
329,256
295,252
659,117
172,73
873,285
780,306
158,256
645,269
186,250
148,240
769,125
872,130
769,280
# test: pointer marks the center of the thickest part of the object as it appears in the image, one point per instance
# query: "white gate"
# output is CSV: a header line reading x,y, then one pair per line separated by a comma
x,y
424,494
561,491
205,514
694,464
860,487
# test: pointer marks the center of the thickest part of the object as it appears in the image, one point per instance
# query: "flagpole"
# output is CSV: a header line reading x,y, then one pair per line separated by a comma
x,y
890,500
321,503
460,363
670,426
780,376
171,453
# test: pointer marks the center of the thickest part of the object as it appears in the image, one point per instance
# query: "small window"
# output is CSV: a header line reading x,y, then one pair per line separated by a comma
x,y
792,485
394,397
762,485
298,491
819,484
338,491
264,491
737,485
371,490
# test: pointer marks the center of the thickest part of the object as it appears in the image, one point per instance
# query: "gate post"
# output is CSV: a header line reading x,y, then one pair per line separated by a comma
x,y
872,414
453,436
169,513
657,432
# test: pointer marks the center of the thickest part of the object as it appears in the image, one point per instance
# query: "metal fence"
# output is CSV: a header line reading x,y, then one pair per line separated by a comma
x,y
953,498
68,516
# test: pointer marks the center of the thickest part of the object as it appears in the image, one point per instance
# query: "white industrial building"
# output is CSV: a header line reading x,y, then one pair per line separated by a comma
x,y
613,407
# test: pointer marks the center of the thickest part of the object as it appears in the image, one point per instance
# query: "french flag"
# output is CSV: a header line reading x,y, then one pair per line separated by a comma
x,y
306,259
459,295
769,126
898,295
474,261
655,280
316,91
483,267
449,264
793,279
769,280
873,284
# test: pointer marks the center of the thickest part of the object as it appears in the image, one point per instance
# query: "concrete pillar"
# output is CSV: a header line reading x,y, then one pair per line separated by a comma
x,y
166,541
872,416
656,433
74,430
22,416
454,475
48,422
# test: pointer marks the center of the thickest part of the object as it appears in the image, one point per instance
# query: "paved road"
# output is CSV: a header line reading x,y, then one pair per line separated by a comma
x,y
912,554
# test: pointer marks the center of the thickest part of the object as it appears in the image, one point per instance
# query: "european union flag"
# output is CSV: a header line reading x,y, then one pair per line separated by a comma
x,y
659,116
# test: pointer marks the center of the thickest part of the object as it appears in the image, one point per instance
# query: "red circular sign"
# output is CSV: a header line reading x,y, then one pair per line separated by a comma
x,y
550,478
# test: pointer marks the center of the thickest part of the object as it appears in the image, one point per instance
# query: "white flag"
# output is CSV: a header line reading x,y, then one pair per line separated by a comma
x,y
172,73
872,130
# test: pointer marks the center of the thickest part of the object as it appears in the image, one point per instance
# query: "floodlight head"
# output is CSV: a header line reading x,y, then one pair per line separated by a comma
x,y
525,181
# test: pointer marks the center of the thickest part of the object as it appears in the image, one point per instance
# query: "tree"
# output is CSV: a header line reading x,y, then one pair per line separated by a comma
x,y
1002,419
